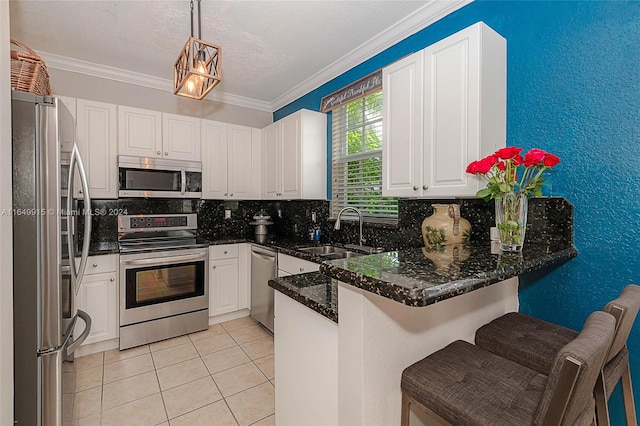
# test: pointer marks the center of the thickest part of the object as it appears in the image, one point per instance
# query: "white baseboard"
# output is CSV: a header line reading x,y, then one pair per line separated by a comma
x,y
230,316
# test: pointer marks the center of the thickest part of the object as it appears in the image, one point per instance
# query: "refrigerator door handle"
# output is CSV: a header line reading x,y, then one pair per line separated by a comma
x,y
78,273
85,333
67,337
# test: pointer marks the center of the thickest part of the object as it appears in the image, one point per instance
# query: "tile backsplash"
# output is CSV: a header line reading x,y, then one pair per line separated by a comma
x,y
548,219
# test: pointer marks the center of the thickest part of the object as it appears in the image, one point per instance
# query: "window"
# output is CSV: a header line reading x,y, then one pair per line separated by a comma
x,y
357,160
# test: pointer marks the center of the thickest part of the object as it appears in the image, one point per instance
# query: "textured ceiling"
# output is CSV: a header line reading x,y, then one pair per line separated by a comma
x,y
268,47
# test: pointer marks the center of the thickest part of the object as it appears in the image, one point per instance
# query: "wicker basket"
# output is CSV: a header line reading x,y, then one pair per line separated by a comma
x,y
28,71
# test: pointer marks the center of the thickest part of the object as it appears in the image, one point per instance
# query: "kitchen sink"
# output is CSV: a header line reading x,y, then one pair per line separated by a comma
x,y
324,250
342,255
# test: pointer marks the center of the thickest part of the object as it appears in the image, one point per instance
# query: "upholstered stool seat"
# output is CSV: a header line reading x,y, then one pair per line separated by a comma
x,y
463,384
533,343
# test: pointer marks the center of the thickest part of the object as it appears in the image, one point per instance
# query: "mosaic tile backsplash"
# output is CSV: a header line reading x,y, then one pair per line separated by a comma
x,y
549,219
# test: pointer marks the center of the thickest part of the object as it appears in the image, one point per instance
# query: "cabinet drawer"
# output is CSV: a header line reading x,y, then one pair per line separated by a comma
x,y
293,265
100,264
225,251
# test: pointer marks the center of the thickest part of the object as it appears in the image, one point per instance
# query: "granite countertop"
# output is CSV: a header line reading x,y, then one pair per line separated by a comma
x,y
421,277
314,290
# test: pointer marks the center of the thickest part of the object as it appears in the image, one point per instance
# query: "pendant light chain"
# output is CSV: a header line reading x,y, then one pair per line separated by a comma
x,y
197,69
191,18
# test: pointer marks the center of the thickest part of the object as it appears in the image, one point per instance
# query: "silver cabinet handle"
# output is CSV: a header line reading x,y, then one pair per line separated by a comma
x,y
213,266
158,152
95,265
112,279
225,252
230,195
301,269
415,187
225,194
425,187
166,153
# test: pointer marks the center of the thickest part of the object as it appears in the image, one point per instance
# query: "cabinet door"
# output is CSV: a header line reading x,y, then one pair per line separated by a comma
x,y
97,141
139,132
239,161
214,159
223,279
98,297
271,161
67,124
290,157
451,112
464,117
402,127
181,137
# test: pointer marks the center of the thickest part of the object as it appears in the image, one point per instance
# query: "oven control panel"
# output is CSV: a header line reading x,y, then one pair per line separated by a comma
x,y
157,222
137,223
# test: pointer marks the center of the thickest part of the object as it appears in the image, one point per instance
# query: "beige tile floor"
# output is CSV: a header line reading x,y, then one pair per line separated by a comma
x,y
221,376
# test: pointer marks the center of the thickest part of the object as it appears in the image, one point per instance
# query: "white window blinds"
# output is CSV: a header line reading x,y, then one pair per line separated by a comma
x,y
357,159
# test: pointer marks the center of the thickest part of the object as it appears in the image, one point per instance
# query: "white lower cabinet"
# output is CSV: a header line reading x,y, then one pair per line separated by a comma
x,y
306,365
98,297
228,279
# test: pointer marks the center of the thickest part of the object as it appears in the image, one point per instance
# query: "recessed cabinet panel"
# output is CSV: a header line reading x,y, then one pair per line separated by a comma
x,y
214,159
291,160
451,113
224,286
97,141
271,164
402,144
139,132
239,162
181,137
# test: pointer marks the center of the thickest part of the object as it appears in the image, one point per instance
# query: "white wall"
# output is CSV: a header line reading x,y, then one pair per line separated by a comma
x,y
6,247
67,83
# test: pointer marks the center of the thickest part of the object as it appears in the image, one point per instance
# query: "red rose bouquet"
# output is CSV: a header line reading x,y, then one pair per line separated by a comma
x,y
511,179
506,171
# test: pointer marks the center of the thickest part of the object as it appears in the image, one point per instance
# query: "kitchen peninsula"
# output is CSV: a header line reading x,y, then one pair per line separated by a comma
x,y
347,332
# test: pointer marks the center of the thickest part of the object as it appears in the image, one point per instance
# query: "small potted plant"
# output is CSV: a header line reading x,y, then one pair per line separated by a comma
x,y
511,180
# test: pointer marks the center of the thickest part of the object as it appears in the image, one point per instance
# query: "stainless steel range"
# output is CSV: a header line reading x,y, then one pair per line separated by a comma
x,y
163,278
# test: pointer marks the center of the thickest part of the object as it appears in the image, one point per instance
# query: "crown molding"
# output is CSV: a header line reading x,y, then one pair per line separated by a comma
x,y
418,20
124,76
421,18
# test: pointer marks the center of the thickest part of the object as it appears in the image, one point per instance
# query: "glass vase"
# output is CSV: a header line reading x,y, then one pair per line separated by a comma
x,y
511,221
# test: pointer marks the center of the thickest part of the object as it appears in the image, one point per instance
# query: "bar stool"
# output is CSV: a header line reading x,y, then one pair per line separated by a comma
x,y
464,384
533,343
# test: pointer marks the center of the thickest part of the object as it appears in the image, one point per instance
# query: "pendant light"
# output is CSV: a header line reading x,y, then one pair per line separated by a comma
x,y
197,68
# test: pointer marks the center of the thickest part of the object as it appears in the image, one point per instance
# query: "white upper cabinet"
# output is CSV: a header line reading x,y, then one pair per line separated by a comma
x,y
231,161
444,107
294,157
180,137
146,133
97,142
139,132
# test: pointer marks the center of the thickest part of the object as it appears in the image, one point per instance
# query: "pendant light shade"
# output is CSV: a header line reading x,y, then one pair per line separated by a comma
x,y
197,69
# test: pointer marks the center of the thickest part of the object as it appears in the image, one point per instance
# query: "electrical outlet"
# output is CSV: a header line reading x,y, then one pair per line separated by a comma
x,y
313,217
227,214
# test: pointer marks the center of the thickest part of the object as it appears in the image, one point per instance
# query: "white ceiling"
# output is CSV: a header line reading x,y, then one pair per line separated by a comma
x,y
272,51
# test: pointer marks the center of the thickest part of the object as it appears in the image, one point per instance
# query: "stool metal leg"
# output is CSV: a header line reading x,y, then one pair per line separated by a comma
x,y
627,391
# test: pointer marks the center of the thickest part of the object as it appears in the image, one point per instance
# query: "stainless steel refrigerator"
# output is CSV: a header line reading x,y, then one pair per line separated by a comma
x,y
46,274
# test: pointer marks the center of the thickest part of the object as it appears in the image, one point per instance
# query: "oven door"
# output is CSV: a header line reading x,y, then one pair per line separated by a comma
x,y
162,283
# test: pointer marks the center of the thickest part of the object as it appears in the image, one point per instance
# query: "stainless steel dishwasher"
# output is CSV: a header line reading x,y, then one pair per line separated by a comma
x,y
264,266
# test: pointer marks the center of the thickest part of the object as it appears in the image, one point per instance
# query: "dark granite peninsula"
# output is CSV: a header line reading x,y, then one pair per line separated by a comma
x,y
396,307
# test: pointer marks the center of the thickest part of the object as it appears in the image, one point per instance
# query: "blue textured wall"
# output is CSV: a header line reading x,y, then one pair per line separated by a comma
x,y
574,90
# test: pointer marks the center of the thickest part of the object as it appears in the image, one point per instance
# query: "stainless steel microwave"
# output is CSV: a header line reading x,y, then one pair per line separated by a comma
x,y
159,178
